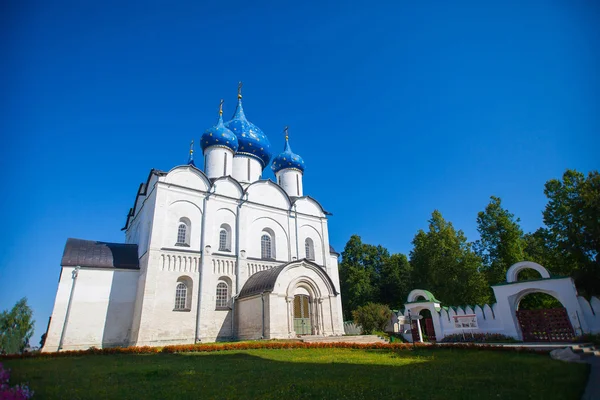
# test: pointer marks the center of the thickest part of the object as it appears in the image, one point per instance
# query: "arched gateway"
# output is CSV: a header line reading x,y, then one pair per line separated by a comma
x,y
296,298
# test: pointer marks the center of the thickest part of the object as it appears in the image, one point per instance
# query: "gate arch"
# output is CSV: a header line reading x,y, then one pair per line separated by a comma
x,y
543,324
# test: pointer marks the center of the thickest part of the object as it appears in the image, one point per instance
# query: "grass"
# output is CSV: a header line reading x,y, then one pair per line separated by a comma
x,y
304,374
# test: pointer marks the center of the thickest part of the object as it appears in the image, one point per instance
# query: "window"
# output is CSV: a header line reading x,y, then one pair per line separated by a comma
x,y
181,234
248,169
222,294
225,165
225,238
181,296
298,185
309,248
265,247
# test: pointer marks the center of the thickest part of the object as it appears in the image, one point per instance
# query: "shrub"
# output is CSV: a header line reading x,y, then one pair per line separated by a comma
x,y
478,338
372,317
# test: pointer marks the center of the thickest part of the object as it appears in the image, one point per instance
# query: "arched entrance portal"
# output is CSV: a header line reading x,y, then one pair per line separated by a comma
x,y
302,313
543,318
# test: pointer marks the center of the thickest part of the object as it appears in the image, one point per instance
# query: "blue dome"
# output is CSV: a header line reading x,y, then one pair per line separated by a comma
x,y
219,135
287,159
252,141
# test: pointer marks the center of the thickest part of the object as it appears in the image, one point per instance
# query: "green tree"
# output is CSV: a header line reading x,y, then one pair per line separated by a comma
x,y
572,218
501,240
443,262
16,327
372,317
359,273
395,281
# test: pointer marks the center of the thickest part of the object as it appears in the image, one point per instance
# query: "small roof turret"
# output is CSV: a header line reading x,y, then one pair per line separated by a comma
x,y
287,159
219,135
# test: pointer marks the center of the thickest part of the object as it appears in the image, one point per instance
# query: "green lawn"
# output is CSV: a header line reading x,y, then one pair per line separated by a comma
x,y
304,373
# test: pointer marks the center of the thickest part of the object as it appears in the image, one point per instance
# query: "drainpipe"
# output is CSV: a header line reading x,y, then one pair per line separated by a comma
x,y
262,298
202,257
237,243
296,221
233,335
64,329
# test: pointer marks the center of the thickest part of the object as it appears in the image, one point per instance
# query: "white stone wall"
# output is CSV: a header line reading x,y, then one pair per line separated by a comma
x,y
101,310
591,313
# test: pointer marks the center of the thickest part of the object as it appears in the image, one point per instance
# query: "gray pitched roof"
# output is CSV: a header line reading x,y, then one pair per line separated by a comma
x,y
264,281
91,253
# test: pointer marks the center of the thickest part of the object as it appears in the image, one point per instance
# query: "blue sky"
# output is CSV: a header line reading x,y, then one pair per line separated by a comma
x,y
397,108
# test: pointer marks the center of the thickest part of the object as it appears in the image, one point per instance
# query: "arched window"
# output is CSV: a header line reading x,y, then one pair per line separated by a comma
x,y
309,248
183,232
225,238
265,247
222,295
181,296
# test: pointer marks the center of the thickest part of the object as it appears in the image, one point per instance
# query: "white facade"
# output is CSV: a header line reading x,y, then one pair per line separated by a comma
x,y
208,237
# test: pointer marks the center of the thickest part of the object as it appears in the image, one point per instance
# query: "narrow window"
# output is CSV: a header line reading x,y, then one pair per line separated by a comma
x,y
309,249
181,234
222,295
180,296
223,240
298,184
265,247
225,165
248,169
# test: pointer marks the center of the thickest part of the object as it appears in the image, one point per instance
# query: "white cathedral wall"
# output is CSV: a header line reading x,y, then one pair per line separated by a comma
x,y
155,321
101,309
249,317
158,322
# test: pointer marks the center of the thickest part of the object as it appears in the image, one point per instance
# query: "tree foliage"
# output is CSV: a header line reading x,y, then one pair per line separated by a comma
x,y
369,273
444,263
372,317
16,327
501,240
395,281
572,236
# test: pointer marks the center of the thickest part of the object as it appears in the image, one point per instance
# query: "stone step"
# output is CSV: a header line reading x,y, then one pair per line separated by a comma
x,y
586,349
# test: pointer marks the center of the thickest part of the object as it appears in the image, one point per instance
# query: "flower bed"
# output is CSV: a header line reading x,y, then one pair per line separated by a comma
x,y
478,338
187,348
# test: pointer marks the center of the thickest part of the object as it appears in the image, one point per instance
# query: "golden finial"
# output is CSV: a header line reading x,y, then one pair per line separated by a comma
x,y
192,147
286,133
240,90
221,107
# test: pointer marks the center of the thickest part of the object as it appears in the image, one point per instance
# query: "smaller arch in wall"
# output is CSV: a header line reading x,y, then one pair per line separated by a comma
x,y
421,295
513,272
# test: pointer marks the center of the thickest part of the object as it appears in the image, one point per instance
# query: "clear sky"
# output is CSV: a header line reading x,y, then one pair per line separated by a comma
x,y
397,109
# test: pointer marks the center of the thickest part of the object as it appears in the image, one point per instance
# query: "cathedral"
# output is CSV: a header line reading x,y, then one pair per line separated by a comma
x,y
213,255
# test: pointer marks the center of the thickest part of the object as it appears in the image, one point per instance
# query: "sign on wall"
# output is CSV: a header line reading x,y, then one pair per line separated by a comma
x,y
465,321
